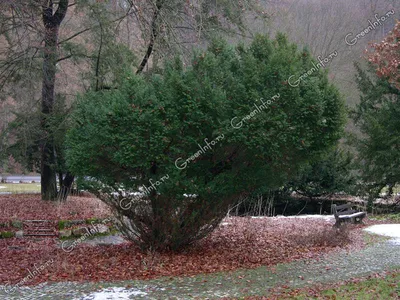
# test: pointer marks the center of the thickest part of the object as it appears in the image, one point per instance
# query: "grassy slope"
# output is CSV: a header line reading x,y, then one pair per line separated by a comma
x,y
387,287
20,187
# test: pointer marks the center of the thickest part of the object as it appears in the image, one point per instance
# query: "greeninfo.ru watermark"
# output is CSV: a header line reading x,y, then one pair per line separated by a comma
x,y
126,203
89,232
258,108
293,82
181,164
372,26
26,279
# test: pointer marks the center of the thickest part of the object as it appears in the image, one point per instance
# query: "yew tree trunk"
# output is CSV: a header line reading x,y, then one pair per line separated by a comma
x,y
65,186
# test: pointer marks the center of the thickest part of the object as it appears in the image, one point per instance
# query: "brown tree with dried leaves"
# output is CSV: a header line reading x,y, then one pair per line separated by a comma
x,y
386,57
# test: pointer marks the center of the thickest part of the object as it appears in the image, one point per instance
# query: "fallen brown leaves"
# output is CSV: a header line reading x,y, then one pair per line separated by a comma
x,y
238,243
31,207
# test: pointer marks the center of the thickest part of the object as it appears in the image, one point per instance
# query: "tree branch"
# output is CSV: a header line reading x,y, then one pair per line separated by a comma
x,y
87,29
74,35
61,12
98,58
64,58
154,34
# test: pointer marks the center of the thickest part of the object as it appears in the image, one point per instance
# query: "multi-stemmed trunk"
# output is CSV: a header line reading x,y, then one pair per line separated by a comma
x,y
65,186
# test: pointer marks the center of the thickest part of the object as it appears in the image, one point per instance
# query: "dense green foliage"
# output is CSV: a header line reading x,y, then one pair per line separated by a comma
x,y
156,129
378,117
325,176
332,173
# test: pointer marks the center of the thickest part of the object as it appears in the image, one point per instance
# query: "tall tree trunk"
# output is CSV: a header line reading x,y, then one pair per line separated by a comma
x,y
153,36
48,160
51,23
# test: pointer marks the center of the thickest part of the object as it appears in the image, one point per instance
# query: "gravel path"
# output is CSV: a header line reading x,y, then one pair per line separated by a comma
x,y
333,267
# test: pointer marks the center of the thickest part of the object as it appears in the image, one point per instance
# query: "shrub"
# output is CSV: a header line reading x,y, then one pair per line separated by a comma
x,y
14,167
17,224
326,176
377,117
62,224
6,234
4,224
192,139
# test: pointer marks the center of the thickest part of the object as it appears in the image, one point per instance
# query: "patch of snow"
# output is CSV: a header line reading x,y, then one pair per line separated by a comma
x,y
190,195
389,230
124,193
141,193
119,293
3,187
325,217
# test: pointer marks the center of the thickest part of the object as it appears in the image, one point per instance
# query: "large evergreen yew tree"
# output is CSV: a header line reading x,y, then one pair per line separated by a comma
x,y
171,152
378,116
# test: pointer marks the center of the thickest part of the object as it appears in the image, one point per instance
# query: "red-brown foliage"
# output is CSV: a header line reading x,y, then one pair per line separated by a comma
x,y
387,56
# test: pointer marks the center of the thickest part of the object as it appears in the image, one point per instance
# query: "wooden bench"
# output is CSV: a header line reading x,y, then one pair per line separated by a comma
x,y
346,213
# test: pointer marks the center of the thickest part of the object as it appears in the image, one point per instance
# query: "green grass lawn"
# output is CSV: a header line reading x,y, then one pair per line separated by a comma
x,y
387,287
391,217
18,188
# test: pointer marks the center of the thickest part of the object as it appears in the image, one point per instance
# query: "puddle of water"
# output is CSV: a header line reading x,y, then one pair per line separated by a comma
x,y
113,293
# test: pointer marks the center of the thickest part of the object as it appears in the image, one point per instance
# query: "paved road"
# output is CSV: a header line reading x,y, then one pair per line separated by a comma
x,y
18,178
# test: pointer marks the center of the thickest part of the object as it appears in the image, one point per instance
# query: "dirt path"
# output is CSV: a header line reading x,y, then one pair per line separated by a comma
x,y
331,268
